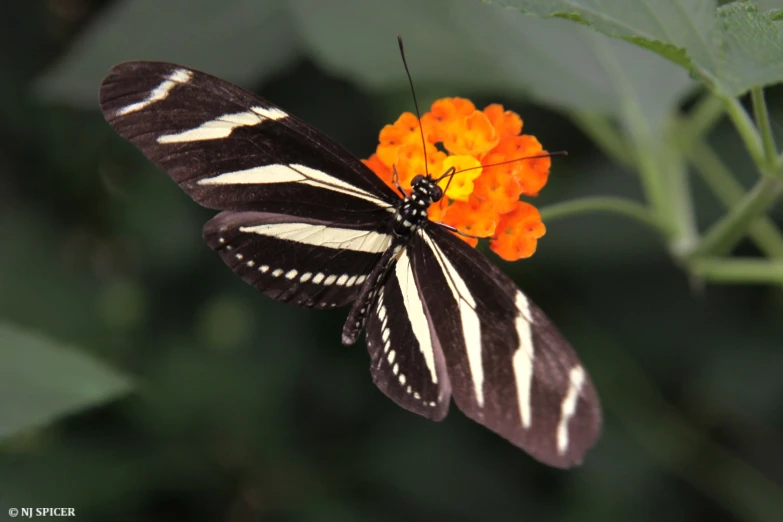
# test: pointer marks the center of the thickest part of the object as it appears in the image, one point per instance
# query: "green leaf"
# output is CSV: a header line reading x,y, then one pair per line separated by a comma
x,y
752,45
553,61
42,380
731,48
769,5
235,39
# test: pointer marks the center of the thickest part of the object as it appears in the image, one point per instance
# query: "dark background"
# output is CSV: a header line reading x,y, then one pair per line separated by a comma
x,y
245,409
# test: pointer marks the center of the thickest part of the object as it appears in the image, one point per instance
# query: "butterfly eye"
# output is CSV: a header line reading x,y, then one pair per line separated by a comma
x,y
436,193
417,180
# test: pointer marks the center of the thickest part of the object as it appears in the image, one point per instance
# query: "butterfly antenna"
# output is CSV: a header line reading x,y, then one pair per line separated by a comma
x,y
547,155
415,104
450,173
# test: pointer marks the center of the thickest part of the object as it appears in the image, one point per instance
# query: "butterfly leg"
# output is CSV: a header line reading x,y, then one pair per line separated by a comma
x,y
454,229
395,179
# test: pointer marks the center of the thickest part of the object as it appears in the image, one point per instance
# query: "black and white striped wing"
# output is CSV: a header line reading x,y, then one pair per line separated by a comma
x,y
507,366
298,260
231,150
302,216
406,360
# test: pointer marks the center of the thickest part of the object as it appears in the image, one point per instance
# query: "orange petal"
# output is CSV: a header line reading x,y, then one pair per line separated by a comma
x,y
434,130
474,217
460,185
534,172
443,114
531,173
507,123
404,131
446,109
500,187
472,241
517,233
410,162
381,170
473,135
437,210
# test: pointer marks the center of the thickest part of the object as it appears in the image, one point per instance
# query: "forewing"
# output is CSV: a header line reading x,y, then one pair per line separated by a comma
x,y
406,361
509,367
297,260
231,150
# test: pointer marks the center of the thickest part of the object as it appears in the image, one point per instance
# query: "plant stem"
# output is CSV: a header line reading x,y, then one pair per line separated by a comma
x,y
738,270
645,138
701,120
655,186
602,204
746,130
729,191
685,234
762,122
605,135
724,234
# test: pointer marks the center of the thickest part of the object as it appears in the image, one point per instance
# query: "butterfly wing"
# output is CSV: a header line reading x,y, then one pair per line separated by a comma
x,y
231,150
406,359
507,366
298,260
302,217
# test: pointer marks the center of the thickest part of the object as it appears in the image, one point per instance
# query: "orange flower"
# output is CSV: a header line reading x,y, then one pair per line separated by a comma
x,y
437,210
500,187
404,131
473,135
459,185
383,172
507,123
474,217
517,233
531,174
445,113
493,168
410,162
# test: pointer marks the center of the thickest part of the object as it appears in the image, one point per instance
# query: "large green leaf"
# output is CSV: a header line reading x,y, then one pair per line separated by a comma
x,y
752,48
731,48
472,46
42,380
458,47
241,40
769,5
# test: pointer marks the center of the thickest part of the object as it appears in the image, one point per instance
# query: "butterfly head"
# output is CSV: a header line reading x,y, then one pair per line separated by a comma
x,y
412,211
426,188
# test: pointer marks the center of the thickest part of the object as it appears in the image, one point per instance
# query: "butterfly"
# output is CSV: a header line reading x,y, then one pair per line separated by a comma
x,y
307,223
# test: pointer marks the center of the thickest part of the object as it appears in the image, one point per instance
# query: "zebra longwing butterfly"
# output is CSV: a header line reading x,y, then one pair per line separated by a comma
x,y
307,223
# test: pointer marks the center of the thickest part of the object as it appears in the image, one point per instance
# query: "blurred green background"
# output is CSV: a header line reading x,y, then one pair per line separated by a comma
x,y
231,407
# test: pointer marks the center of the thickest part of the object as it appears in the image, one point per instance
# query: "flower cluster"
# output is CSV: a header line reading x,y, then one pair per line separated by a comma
x,y
482,199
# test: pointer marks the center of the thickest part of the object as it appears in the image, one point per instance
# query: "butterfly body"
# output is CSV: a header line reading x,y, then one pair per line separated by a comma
x,y
412,211
305,222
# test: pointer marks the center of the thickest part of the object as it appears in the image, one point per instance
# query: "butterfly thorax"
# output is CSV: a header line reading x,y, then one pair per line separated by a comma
x,y
412,211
